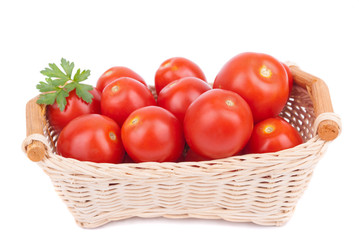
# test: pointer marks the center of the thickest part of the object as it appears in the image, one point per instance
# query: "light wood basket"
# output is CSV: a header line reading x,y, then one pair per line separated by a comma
x,y
259,188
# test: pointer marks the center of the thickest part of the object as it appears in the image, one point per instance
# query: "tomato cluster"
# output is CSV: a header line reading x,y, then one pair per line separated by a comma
x,y
125,122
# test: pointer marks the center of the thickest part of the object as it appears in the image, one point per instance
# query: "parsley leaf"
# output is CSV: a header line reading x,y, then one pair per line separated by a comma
x,y
83,91
81,76
59,83
67,66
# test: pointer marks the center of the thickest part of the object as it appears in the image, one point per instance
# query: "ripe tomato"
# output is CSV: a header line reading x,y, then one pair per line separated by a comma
x,y
115,73
218,124
289,75
178,95
260,79
192,156
127,159
153,134
122,96
176,68
92,137
75,107
272,135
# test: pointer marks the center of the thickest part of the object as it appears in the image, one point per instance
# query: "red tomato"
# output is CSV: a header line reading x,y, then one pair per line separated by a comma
x,y
115,73
218,124
289,75
272,135
127,159
153,134
75,107
122,96
92,137
260,79
176,68
192,156
181,158
178,95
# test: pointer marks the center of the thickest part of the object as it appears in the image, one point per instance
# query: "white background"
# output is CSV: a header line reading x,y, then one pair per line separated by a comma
x,y
320,36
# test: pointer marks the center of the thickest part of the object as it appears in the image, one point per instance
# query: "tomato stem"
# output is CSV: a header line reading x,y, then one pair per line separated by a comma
x,y
269,129
115,88
112,136
265,71
229,103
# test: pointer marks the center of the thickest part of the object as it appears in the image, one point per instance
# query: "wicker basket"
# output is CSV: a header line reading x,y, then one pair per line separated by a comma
x,y
259,188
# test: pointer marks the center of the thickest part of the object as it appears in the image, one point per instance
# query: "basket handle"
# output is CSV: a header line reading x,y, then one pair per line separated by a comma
x,y
328,129
35,123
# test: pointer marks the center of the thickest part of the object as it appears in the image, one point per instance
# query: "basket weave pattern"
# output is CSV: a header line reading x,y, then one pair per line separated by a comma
x,y
259,188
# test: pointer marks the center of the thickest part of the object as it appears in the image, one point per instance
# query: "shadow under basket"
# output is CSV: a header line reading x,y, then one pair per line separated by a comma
x,y
259,188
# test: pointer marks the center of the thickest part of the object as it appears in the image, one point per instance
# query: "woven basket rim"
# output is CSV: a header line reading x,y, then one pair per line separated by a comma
x,y
246,162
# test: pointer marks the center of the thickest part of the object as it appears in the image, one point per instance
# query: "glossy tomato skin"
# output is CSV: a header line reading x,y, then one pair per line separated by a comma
x,y
178,95
289,75
75,107
115,73
153,134
260,79
218,124
122,96
176,68
92,137
272,135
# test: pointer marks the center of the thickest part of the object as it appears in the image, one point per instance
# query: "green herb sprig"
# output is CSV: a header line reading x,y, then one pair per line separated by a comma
x,y
58,84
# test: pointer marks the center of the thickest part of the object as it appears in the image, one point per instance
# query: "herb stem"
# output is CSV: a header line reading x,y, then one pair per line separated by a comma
x,y
61,86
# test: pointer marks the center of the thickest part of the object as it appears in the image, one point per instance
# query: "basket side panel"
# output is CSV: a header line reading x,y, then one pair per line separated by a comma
x,y
243,193
299,112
